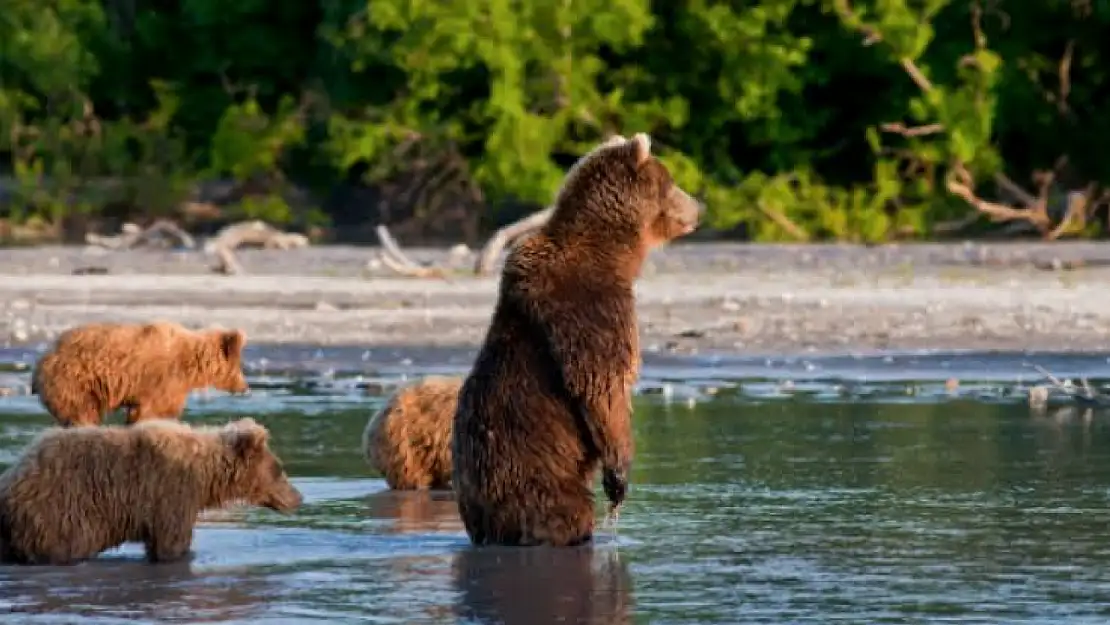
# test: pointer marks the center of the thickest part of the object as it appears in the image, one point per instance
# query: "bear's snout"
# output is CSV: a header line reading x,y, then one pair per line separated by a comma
x,y
284,498
689,211
240,387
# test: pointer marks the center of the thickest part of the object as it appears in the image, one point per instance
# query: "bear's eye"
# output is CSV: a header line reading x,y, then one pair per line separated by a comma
x,y
276,470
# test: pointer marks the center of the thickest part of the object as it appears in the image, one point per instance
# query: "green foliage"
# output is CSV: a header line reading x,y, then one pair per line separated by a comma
x,y
519,81
794,119
248,142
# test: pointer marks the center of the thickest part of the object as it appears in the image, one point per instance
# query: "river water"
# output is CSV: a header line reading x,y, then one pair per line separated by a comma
x,y
861,489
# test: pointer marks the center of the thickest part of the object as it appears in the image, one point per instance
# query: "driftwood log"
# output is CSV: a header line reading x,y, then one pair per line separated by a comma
x,y
506,236
393,257
254,233
131,236
166,233
1084,394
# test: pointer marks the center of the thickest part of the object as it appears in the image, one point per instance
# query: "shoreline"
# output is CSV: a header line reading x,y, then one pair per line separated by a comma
x,y
694,299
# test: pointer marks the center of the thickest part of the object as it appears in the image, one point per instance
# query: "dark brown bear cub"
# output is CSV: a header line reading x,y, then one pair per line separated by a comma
x,y
548,400
76,492
147,368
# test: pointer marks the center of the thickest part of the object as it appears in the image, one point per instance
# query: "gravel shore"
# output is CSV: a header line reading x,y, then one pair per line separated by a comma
x,y
693,298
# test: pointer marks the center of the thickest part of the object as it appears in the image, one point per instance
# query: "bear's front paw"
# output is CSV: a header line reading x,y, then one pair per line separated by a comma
x,y
616,485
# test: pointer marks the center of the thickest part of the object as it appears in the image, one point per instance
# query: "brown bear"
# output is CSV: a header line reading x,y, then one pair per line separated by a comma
x,y
548,399
409,439
147,368
76,492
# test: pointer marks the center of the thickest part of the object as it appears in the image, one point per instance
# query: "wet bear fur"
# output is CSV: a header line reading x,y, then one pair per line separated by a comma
x,y
548,399
76,492
409,439
149,369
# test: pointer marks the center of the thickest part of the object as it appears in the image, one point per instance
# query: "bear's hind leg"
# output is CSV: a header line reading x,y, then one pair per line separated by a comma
x,y
563,526
170,541
167,550
559,515
474,521
540,518
8,553
22,542
61,553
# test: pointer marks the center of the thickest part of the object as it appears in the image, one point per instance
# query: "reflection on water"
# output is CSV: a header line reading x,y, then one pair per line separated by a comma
x,y
588,585
828,499
129,588
414,511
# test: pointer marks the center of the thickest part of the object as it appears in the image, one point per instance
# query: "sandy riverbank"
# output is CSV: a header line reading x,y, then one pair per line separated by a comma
x,y
693,298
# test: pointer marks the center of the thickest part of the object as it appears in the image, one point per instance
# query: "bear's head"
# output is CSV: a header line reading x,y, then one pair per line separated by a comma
x,y
620,192
258,476
227,370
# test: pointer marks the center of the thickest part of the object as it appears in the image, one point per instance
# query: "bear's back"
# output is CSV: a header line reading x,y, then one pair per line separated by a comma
x,y
98,347
124,465
67,465
101,449
515,389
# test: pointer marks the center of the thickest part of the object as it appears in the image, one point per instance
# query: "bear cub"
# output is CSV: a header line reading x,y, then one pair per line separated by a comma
x,y
76,492
409,440
149,369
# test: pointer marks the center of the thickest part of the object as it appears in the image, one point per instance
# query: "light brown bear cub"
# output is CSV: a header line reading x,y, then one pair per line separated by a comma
x,y
548,400
76,492
149,369
409,439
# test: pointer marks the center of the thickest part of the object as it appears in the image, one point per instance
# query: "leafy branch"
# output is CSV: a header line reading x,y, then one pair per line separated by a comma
x,y
966,115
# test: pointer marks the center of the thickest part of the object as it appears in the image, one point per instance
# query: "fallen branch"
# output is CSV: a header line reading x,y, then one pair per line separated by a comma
x,y
961,183
254,233
782,221
132,236
505,236
1078,207
915,131
395,259
227,263
1083,395
1064,76
955,225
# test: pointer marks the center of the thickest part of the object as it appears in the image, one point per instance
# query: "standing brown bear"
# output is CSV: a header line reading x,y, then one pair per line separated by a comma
x,y
147,368
548,399
76,492
409,439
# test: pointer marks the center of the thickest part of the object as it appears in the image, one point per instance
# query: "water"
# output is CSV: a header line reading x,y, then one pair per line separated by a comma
x,y
849,489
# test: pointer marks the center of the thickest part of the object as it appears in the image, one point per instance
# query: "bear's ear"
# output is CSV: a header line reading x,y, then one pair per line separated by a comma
x,y
231,343
246,436
614,141
643,147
